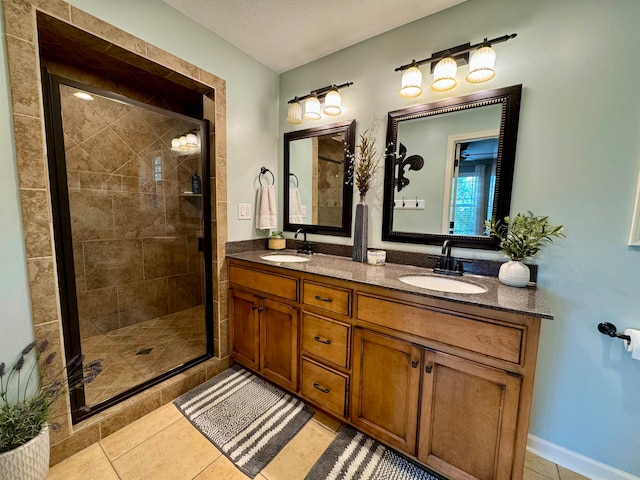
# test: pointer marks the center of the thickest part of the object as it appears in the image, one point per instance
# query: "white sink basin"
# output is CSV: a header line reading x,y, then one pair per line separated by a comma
x,y
285,258
442,284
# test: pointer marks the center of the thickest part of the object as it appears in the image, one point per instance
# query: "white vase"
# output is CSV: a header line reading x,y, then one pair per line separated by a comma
x,y
29,461
514,273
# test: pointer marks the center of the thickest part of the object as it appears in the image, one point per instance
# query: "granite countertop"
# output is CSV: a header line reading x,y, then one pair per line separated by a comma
x,y
526,301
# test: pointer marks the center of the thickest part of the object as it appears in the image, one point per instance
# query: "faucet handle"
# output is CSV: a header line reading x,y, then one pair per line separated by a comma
x,y
460,264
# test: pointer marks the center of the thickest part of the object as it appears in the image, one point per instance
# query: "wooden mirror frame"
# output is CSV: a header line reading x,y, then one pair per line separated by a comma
x,y
349,130
509,98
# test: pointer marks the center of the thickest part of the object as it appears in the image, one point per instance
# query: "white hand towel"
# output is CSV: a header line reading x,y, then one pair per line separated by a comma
x,y
267,210
634,345
295,206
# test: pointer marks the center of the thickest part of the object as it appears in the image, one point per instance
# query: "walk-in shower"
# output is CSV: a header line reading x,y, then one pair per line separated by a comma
x,y
130,194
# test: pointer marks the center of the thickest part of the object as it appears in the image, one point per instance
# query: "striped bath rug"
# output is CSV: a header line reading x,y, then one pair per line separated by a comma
x,y
247,419
354,456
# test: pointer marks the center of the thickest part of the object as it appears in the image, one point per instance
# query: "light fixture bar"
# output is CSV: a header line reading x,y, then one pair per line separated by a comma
x,y
457,51
320,92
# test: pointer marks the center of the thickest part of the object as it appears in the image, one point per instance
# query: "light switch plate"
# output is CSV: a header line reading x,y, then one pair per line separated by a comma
x,y
244,211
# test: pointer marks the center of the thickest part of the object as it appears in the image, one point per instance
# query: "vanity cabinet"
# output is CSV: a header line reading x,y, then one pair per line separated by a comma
x,y
263,332
468,418
447,383
386,388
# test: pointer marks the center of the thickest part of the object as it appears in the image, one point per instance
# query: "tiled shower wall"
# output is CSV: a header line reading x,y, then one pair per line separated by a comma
x,y
21,38
330,178
134,229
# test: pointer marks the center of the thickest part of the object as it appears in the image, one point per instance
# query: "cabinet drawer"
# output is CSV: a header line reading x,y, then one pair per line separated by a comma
x,y
271,283
331,299
325,338
474,334
327,388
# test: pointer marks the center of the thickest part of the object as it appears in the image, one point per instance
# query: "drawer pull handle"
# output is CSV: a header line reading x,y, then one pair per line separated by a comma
x,y
414,363
318,339
317,386
429,367
328,300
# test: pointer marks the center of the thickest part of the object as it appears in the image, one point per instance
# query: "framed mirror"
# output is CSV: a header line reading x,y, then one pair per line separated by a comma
x,y
316,194
449,167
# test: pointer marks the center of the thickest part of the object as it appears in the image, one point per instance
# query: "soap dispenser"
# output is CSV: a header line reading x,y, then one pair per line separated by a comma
x,y
196,183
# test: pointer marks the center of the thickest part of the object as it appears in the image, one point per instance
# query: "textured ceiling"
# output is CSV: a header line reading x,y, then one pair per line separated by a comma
x,y
284,34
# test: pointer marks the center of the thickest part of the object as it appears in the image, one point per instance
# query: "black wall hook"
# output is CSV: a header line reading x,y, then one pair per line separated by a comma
x,y
610,329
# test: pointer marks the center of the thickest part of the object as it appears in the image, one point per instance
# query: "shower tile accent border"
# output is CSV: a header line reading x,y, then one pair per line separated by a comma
x,y
21,38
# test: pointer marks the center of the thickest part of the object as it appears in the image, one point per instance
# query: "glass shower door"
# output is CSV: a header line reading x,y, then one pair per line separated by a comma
x,y
130,203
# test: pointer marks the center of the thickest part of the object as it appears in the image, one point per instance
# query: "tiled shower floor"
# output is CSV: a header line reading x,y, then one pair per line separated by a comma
x,y
173,339
164,445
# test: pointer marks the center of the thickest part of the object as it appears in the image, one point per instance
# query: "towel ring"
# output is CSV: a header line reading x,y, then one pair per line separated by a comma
x,y
294,176
263,171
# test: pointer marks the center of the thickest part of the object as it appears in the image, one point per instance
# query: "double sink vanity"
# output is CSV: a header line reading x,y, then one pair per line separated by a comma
x,y
441,369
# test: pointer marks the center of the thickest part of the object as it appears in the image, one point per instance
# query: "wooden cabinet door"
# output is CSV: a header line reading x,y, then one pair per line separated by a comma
x,y
279,343
385,388
244,335
468,418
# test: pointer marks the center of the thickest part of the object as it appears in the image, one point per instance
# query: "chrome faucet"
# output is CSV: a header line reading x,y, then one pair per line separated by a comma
x,y
305,247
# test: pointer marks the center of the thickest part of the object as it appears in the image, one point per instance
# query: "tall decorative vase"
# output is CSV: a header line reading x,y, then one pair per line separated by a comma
x,y
360,232
514,274
29,461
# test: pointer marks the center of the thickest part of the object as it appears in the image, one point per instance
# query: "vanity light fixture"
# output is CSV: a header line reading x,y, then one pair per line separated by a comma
x,y
312,106
444,65
185,143
411,82
294,112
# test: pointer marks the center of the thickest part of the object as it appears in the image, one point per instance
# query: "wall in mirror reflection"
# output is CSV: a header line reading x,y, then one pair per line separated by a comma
x,y
453,192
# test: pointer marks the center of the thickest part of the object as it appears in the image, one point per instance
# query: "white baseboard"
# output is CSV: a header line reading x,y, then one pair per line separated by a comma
x,y
574,461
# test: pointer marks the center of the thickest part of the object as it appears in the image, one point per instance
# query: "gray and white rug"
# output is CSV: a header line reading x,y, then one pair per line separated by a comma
x,y
246,418
354,456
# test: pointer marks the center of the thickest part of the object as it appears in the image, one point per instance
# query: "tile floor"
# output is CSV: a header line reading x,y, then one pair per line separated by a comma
x,y
173,339
164,445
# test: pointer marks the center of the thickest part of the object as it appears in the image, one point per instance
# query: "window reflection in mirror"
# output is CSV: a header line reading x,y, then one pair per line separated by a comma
x,y
468,148
316,196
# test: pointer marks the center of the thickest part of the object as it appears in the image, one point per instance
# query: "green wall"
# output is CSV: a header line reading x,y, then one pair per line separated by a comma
x,y
577,161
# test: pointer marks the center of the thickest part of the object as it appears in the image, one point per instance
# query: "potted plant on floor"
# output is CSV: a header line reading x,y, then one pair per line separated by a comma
x,y
521,238
26,395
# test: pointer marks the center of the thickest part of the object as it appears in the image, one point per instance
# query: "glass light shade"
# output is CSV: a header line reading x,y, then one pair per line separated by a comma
x,y
312,108
192,141
294,113
175,144
183,142
481,65
411,83
332,103
444,75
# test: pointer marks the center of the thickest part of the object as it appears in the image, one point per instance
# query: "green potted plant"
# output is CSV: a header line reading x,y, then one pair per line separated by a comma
x,y
27,392
521,238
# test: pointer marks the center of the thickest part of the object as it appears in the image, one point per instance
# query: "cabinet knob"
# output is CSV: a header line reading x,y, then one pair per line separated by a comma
x,y
429,367
414,363
328,300
317,386
254,307
260,309
325,341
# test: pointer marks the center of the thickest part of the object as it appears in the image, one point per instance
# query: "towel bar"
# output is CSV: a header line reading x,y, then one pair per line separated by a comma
x,y
610,329
263,171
